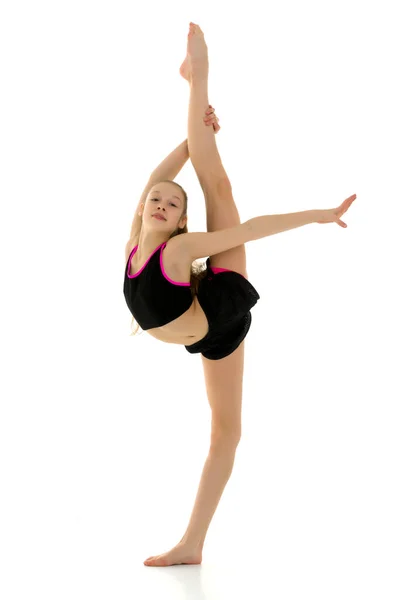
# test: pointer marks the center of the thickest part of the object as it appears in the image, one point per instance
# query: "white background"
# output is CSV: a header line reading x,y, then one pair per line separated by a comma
x,y
100,457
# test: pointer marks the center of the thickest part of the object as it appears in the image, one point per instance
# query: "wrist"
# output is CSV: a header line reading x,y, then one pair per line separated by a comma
x,y
319,215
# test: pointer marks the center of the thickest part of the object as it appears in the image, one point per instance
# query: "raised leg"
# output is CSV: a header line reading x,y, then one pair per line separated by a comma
x,y
202,146
221,209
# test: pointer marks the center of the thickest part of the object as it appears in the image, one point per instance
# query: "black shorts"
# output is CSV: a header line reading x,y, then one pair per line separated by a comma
x,y
226,298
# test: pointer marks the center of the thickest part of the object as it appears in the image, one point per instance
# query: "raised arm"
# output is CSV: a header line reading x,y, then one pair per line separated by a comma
x,y
172,164
175,161
167,169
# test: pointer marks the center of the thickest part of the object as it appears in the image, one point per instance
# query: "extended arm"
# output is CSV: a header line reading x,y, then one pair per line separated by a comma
x,y
197,245
175,161
172,164
271,224
169,169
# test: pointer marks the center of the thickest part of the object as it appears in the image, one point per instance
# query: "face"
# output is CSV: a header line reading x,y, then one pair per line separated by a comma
x,y
166,200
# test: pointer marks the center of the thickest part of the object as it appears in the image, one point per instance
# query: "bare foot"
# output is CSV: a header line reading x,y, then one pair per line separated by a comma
x,y
196,46
180,555
196,61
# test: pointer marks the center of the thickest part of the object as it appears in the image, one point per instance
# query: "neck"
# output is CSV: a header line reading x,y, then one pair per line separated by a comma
x,y
148,243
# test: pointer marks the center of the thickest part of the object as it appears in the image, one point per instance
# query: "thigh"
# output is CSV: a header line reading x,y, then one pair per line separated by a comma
x,y
224,385
222,213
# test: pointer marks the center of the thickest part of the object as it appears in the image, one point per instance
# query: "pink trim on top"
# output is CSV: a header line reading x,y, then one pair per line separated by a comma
x,y
219,269
161,265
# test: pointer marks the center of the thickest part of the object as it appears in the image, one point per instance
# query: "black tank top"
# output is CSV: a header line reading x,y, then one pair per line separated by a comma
x,y
152,297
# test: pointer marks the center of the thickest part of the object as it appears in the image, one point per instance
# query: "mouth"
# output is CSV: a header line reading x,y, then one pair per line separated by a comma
x,y
159,217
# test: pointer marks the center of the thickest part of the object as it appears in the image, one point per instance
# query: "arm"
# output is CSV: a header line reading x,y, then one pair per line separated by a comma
x,y
172,164
198,245
270,224
167,169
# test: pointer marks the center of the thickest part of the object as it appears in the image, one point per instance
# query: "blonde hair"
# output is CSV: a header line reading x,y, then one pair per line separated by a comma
x,y
197,271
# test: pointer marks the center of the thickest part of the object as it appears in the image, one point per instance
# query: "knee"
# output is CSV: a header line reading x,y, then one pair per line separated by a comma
x,y
215,182
227,440
224,185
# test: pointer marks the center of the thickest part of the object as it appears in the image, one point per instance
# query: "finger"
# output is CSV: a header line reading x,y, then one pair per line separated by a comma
x,y
349,201
342,223
346,205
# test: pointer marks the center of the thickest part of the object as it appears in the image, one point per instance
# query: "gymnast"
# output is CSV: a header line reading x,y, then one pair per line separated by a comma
x,y
207,311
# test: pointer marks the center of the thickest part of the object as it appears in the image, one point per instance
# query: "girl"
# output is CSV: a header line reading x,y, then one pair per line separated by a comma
x,y
210,314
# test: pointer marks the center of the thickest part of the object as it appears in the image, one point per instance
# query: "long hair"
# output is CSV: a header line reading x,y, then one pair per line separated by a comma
x,y
197,271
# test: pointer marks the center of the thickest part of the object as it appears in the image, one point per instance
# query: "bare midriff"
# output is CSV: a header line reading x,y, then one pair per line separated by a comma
x,y
193,320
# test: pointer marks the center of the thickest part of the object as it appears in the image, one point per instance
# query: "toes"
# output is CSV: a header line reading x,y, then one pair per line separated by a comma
x,y
156,561
150,558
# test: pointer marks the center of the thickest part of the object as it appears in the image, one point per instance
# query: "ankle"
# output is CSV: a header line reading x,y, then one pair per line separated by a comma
x,y
192,543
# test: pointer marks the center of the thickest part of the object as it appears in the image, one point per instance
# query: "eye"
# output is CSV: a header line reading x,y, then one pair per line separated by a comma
x,y
171,202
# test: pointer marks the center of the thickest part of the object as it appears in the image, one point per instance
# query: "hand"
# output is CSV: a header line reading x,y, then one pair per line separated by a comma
x,y
211,119
333,215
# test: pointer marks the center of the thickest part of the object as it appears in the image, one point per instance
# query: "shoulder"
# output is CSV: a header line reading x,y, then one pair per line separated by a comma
x,y
176,253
